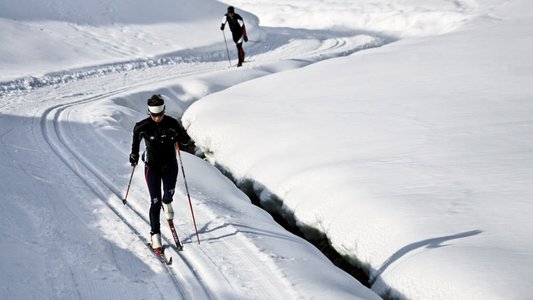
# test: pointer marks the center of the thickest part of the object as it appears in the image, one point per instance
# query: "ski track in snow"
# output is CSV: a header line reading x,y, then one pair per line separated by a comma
x,y
58,111
56,131
56,140
313,45
53,135
200,266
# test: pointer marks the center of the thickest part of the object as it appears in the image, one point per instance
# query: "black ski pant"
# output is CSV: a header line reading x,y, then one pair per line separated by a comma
x,y
154,177
238,38
240,52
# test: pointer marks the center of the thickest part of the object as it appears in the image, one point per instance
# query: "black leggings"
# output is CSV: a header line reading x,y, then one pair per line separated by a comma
x,y
240,52
154,178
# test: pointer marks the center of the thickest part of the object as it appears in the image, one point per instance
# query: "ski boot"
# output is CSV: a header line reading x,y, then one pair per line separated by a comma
x,y
169,211
156,242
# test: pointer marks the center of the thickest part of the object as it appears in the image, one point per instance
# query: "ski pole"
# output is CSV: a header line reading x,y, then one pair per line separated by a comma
x,y
188,194
129,183
227,50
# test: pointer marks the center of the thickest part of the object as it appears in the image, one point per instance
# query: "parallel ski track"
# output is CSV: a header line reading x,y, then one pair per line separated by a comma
x,y
200,264
51,132
74,167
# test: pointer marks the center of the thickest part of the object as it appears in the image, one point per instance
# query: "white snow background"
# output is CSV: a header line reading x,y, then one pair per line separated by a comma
x,y
402,130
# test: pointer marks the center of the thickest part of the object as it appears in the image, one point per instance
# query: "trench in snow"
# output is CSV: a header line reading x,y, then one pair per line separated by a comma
x,y
312,235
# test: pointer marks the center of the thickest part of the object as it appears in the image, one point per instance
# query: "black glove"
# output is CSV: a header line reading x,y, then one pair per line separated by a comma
x,y
187,147
134,159
245,38
222,27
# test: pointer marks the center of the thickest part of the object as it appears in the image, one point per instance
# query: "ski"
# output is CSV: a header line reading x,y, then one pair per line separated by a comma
x,y
160,253
237,65
244,62
179,246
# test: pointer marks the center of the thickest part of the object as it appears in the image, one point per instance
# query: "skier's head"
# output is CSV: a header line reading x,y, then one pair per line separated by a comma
x,y
156,106
231,10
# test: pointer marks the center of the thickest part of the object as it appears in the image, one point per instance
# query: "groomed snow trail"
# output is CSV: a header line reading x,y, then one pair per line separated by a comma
x,y
75,173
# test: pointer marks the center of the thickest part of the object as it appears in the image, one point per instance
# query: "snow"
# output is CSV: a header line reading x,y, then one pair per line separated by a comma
x,y
401,130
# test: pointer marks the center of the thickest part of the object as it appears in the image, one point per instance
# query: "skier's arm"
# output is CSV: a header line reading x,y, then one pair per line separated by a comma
x,y
244,34
136,141
241,23
224,20
183,139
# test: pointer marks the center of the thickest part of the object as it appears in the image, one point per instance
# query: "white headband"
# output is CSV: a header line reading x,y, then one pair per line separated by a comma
x,y
156,109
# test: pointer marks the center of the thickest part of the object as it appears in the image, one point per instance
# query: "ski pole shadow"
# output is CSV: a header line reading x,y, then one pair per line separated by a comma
x,y
428,243
236,229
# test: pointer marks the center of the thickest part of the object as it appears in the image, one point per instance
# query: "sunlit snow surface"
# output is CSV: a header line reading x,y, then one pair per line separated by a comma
x,y
413,156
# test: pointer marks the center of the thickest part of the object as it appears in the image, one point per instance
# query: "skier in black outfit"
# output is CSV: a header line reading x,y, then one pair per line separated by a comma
x,y
160,133
238,31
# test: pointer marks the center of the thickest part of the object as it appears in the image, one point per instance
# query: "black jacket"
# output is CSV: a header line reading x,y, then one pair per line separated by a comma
x,y
160,139
236,25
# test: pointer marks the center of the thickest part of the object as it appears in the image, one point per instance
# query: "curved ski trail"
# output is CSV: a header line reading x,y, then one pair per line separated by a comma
x,y
62,126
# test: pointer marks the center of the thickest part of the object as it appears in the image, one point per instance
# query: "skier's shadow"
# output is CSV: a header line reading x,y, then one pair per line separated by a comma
x,y
428,243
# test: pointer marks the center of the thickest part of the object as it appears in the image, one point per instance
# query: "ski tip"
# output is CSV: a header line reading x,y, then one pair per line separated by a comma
x,y
169,262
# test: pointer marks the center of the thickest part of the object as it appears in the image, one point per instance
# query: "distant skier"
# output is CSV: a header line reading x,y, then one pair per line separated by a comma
x,y
238,31
160,133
